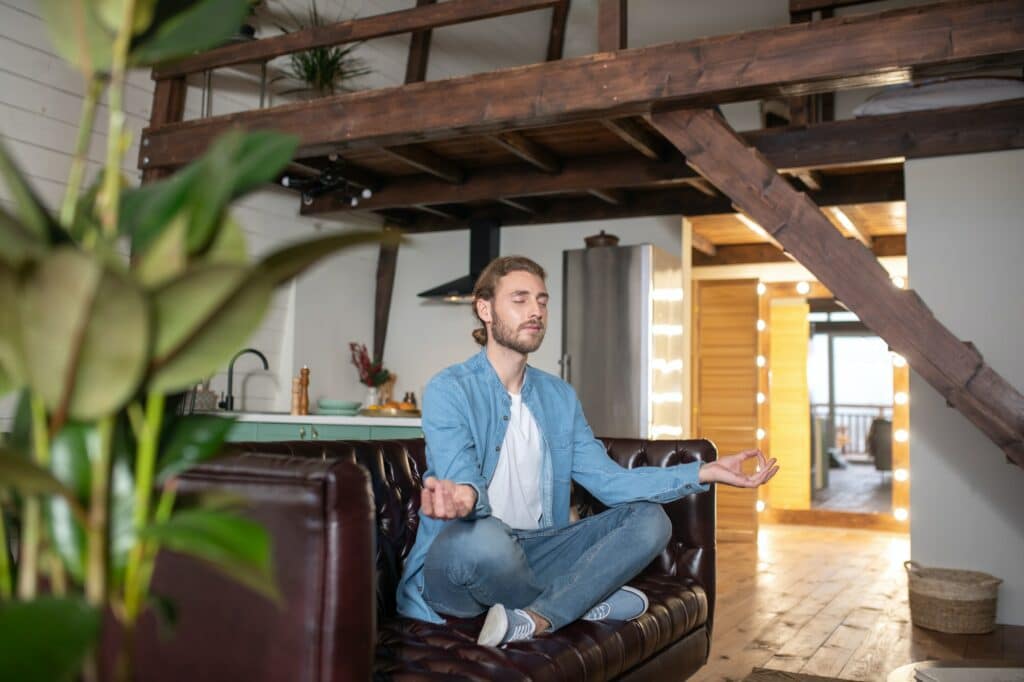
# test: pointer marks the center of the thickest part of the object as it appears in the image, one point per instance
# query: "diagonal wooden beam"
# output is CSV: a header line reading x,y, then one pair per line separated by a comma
x,y
638,137
852,273
387,264
615,197
556,39
351,31
835,54
612,33
529,151
428,162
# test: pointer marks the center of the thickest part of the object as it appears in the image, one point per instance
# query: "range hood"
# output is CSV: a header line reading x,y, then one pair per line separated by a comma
x,y
484,246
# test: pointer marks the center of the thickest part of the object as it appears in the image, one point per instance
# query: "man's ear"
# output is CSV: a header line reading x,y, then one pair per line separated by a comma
x,y
483,309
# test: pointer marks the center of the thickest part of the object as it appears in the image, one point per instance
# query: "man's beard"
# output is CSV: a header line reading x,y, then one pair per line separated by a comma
x,y
507,337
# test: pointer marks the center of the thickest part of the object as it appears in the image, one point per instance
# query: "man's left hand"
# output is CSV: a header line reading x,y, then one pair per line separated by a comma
x,y
729,470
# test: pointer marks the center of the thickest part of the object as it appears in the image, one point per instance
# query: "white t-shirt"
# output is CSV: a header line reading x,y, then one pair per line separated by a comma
x,y
514,492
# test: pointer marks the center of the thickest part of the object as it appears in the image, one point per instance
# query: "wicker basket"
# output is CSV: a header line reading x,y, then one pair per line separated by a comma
x,y
949,600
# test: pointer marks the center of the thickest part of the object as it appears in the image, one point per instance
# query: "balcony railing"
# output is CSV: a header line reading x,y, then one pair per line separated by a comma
x,y
851,423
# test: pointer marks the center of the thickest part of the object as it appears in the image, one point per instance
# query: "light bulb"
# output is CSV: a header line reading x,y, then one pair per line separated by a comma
x,y
761,398
286,181
332,157
900,398
353,202
803,288
761,325
761,288
901,474
760,434
761,361
900,513
367,193
898,360
760,505
901,436
899,282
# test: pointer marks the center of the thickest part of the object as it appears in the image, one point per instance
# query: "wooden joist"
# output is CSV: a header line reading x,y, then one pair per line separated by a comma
x,y
615,197
428,162
351,31
703,244
834,54
639,138
852,273
528,150
744,254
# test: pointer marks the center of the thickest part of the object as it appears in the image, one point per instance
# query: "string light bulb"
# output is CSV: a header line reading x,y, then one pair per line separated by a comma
x,y
900,398
803,288
760,505
761,288
761,325
761,361
760,433
901,435
900,513
901,475
761,398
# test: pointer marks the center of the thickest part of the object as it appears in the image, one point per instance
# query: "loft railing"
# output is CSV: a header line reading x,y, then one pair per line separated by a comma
x,y
851,423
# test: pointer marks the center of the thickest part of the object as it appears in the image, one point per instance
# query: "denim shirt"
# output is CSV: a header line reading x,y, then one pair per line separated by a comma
x,y
465,416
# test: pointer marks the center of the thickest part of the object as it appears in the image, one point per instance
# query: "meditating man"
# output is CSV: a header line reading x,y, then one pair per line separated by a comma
x,y
503,441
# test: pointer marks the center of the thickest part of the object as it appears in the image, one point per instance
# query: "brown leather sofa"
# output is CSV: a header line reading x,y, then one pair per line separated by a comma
x,y
343,515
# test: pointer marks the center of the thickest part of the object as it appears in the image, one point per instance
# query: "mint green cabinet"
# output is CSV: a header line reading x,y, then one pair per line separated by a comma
x,y
274,431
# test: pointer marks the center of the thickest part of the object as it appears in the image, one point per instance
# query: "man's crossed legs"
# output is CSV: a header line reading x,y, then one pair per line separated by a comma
x,y
556,574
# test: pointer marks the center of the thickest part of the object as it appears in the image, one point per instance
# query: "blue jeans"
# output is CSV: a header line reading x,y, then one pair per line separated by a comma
x,y
557,573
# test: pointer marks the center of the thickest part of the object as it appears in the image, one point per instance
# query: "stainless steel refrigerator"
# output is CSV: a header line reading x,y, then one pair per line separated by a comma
x,y
623,339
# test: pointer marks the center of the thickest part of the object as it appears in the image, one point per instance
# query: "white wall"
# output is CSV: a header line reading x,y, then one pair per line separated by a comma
x,y
425,337
965,244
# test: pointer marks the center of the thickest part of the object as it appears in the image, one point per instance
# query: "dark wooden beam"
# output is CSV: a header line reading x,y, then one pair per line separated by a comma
x,y
419,51
351,31
701,243
852,273
704,186
810,178
612,29
438,212
428,162
814,5
529,151
826,55
639,138
387,263
518,204
556,39
168,107
614,197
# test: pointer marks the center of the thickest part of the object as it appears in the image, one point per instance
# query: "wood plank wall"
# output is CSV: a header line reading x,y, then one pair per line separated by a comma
x,y
788,425
725,388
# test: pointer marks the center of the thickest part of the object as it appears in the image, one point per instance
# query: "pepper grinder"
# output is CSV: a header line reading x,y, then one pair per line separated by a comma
x,y
304,394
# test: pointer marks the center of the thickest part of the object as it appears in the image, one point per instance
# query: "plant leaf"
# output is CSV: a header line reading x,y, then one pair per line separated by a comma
x,y
31,213
85,334
46,639
11,360
236,546
109,12
17,472
70,464
202,318
78,34
122,501
17,243
166,613
200,26
192,439
284,264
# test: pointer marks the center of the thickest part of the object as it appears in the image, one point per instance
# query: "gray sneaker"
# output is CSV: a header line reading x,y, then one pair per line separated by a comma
x,y
626,603
502,626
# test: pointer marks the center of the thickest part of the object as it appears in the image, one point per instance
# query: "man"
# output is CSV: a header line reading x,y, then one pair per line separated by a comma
x,y
504,440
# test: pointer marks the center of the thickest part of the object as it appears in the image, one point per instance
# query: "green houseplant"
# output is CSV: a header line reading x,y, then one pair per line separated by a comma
x,y
95,342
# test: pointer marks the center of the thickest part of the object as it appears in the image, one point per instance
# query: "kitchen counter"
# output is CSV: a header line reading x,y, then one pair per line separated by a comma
x,y
283,418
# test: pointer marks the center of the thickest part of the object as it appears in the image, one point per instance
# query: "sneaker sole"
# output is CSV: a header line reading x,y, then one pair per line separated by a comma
x,y
495,626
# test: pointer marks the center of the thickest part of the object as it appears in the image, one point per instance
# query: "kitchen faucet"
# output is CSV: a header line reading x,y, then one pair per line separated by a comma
x,y
229,400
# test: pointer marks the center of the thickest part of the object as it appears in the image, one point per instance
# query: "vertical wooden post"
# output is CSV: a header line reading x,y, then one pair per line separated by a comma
x,y
387,262
419,51
556,40
611,25
168,107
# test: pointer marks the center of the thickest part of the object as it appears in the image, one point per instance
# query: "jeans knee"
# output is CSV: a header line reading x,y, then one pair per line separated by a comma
x,y
472,549
653,527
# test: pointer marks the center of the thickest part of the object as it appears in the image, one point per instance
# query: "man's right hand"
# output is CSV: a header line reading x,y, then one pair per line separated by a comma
x,y
443,499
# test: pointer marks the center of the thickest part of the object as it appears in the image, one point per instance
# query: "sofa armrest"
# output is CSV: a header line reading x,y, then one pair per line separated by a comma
x,y
319,514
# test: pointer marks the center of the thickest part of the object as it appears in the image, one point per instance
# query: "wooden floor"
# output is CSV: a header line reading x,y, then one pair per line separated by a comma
x,y
858,488
829,602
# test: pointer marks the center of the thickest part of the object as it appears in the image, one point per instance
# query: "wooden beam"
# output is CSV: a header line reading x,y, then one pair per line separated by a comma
x,y
639,138
810,178
529,151
702,244
814,5
612,28
387,263
842,53
702,185
614,197
168,107
556,39
428,162
853,274
740,254
351,31
419,51
518,204
440,213
850,226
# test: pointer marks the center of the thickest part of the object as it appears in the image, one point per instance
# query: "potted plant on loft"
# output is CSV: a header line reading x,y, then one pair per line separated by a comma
x,y
322,71
94,343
